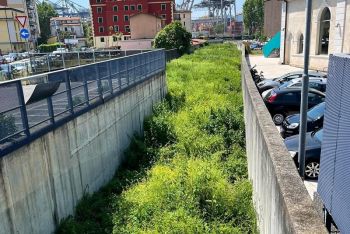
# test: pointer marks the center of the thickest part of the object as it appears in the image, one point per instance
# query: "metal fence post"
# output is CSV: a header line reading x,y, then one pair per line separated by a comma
x,y
78,58
109,54
63,62
69,93
48,62
50,109
127,70
93,56
23,108
98,80
110,77
86,92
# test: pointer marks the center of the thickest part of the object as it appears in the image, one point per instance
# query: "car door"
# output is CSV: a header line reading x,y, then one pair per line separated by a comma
x,y
291,101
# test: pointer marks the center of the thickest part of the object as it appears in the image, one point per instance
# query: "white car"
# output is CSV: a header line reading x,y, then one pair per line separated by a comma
x,y
60,51
8,58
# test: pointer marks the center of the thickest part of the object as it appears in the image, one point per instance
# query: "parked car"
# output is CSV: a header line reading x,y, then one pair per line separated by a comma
x,y
284,102
315,116
312,152
275,82
9,58
314,82
8,70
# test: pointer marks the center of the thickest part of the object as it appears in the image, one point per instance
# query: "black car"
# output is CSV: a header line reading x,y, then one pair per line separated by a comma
x,y
284,102
312,153
315,116
273,83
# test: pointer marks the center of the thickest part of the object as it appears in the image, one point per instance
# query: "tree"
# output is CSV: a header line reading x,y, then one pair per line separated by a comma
x,y
253,16
219,28
88,34
174,36
45,13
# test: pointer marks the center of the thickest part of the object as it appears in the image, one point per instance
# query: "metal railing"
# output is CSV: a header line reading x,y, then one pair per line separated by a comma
x,y
171,54
32,106
38,63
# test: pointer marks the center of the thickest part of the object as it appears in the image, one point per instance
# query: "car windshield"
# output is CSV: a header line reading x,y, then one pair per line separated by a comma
x,y
318,135
286,84
317,111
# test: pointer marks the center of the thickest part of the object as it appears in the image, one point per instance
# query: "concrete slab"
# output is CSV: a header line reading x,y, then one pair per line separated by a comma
x,y
270,66
311,186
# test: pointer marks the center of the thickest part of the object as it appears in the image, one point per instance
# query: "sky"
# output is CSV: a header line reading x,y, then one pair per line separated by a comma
x,y
196,13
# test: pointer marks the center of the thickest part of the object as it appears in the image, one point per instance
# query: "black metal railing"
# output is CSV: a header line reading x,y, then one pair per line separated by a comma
x,y
32,106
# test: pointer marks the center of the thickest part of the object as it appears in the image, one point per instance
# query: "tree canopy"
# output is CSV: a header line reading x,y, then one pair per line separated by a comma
x,y
253,16
174,36
45,13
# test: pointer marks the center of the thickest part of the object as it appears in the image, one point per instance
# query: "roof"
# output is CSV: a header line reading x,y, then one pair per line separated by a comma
x,y
65,18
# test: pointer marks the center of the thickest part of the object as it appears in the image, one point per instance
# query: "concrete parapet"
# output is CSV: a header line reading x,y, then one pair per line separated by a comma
x,y
281,200
42,182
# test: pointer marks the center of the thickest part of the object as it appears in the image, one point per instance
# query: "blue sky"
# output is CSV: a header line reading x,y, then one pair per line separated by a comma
x,y
196,13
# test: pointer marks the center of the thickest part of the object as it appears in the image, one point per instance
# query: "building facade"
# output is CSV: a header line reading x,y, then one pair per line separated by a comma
x,y
110,18
144,26
272,17
185,18
20,8
70,25
10,40
330,31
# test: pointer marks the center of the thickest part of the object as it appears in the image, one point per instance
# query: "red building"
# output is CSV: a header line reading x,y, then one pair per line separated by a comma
x,y
113,16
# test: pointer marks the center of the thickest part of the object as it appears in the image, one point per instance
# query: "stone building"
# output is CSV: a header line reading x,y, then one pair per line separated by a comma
x,y
330,31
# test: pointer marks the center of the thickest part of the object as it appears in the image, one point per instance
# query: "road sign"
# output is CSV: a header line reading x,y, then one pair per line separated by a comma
x,y
24,33
21,20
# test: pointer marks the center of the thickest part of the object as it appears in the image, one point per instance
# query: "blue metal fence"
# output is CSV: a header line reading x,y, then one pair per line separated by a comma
x,y
33,106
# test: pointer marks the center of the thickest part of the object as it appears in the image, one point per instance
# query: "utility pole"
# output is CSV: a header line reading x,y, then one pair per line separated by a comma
x,y
305,92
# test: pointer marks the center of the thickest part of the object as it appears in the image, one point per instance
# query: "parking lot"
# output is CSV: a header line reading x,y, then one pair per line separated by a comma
x,y
272,68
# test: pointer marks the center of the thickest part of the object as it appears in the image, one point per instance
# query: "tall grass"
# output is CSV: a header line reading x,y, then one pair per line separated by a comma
x,y
188,173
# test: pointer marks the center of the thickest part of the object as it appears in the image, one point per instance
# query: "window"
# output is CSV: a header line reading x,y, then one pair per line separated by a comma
x,y
100,19
315,98
127,28
139,7
301,44
132,7
101,29
115,8
290,98
126,8
115,18
116,28
163,16
184,24
324,31
126,18
99,9
184,16
102,39
163,7
65,29
98,1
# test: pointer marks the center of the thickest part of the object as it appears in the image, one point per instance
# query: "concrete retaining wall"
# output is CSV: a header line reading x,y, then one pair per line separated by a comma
x,y
280,198
42,182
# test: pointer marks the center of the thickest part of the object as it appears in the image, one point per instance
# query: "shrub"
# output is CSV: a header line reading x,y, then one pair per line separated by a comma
x,y
174,36
7,126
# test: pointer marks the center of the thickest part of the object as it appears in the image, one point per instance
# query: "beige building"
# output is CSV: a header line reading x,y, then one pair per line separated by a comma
x,y
185,18
330,31
10,40
144,26
272,17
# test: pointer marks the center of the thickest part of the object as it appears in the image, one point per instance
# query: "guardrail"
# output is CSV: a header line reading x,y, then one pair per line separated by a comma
x,y
38,63
35,105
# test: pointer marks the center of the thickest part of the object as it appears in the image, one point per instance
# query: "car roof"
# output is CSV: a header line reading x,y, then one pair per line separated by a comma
x,y
313,73
297,89
311,79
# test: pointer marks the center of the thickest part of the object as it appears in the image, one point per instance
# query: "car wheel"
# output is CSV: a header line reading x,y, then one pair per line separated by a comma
x,y
278,119
312,169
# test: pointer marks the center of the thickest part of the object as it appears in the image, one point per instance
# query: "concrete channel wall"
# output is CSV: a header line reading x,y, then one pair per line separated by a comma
x,y
42,182
281,200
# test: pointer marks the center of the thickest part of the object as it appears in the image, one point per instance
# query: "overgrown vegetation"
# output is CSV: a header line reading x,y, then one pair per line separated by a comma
x,y
174,36
188,173
7,126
